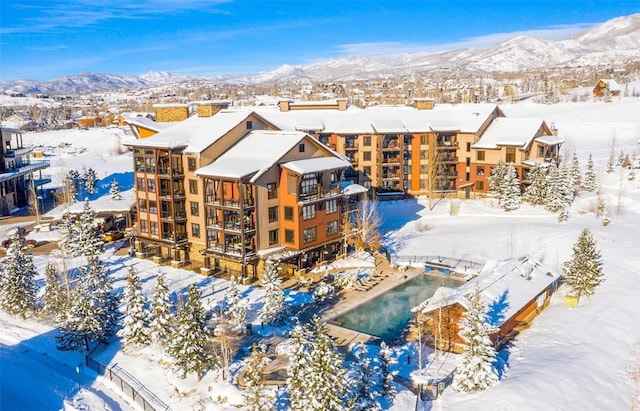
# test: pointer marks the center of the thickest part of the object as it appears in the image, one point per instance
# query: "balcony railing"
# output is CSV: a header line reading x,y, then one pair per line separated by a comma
x,y
351,145
228,202
17,152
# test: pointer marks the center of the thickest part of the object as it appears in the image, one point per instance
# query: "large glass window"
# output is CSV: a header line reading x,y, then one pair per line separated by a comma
x,y
273,214
151,186
195,230
309,212
193,186
195,208
288,213
309,185
191,162
332,228
510,156
288,236
480,155
271,191
273,237
332,206
309,234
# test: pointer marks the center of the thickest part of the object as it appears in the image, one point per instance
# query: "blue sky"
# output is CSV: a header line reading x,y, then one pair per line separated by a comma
x,y
45,39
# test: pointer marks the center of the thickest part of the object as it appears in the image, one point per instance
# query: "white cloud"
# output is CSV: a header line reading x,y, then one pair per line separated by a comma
x,y
479,42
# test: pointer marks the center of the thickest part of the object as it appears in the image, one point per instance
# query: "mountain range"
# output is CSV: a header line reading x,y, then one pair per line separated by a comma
x,y
614,42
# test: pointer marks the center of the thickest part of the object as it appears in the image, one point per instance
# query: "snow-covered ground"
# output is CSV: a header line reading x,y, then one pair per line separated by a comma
x,y
569,359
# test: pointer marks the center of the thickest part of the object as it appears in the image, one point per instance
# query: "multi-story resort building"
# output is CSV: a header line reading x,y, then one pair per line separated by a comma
x,y
18,186
231,187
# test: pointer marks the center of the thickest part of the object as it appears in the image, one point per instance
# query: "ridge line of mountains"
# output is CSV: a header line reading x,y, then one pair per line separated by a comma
x,y
613,43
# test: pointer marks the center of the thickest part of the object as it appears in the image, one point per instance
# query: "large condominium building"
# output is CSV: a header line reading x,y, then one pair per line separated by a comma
x,y
17,182
227,189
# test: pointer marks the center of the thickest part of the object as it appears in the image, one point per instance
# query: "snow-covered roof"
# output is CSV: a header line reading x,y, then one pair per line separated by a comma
x,y
254,154
506,286
316,164
612,85
144,122
509,131
354,188
195,133
549,140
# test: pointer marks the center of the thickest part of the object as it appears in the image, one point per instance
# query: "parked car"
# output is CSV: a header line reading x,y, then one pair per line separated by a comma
x,y
113,236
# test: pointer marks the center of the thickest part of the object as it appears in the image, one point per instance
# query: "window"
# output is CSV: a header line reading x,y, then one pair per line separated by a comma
x,y
480,185
423,184
366,155
480,155
273,214
468,147
468,161
309,235
467,176
195,230
288,213
151,186
511,155
154,228
195,208
273,237
366,141
309,185
332,206
424,139
193,186
366,170
480,170
249,125
424,154
153,207
191,163
288,236
143,226
271,191
140,182
142,205
301,147
332,228
540,151
309,212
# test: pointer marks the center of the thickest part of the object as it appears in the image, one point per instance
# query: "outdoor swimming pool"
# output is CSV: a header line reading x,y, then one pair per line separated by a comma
x,y
387,315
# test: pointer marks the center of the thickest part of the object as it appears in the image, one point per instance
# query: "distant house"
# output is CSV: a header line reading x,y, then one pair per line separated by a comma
x,y
514,291
603,85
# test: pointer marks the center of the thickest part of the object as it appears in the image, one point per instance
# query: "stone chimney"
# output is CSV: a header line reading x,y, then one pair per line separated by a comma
x,y
423,103
171,112
284,105
342,104
209,108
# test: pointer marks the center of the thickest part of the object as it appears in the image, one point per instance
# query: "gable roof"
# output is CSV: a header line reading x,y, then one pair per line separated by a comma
x,y
506,286
510,131
612,85
262,149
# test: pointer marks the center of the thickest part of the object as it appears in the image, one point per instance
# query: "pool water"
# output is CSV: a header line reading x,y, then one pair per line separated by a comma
x,y
387,315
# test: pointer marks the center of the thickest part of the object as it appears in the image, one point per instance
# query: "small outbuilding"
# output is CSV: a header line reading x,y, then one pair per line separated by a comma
x,y
605,86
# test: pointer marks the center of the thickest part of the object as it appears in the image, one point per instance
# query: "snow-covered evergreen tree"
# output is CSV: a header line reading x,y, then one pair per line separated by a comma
x,y
536,190
90,181
253,391
386,375
163,318
475,370
274,306
93,311
366,388
510,194
496,178
611,162
317,376
88,241
17,279
559,188
583,272
75,184
574,170
114,191
54,300
135,326
68,242
590,182
190,341
235,308
620,160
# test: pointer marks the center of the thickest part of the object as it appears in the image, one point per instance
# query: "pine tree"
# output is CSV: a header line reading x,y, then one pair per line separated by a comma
x,y
496,178
574,170
510,195
583,272
590,182
235,308
317,377
90,181
88,242
253,392
559,188
190,341
611,162
274,306
114,191
475,370
68,235
55,299
365,381
17,280
93,311
135,326
75,183
162,313
386,375
536,190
